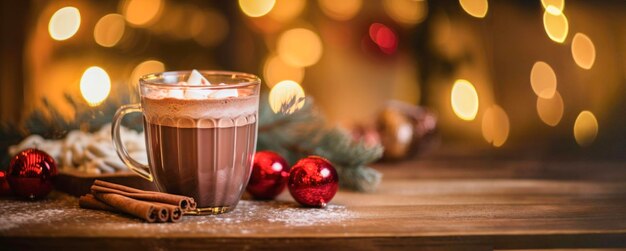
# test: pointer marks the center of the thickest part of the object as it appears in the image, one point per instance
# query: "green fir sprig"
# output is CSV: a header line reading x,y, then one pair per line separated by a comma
x,y
306,132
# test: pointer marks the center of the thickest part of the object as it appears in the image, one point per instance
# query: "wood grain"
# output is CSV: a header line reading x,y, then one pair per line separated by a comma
x,y
417,209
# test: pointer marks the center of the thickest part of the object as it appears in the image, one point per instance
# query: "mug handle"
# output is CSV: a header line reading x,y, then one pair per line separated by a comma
x,y
140,169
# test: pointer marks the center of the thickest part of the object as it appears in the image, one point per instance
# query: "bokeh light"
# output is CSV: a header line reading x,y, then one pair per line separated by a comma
x,y
286,97
583,51
214,28
194,25
109,30
495,126
464,99
95,85
276,70
475,8
384,37
299,47
558,5
145,67
555,24
64,23
543,80
585,128
550,110
340,10
256,8
285,10
142,12
407,12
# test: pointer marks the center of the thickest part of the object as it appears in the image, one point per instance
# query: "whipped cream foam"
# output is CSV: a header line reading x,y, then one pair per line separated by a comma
x,y
191,107
185,105
196,113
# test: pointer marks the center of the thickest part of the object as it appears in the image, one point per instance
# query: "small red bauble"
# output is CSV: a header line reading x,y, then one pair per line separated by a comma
x,y
269,175
313,181
5,189
31,173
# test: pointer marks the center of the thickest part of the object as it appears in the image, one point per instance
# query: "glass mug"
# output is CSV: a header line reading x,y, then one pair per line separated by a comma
x,y
200,139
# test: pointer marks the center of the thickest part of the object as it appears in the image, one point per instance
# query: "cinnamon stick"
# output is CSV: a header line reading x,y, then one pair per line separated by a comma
x,y
151,197
90,202
184,202
119,187
141,209
162,213
175,213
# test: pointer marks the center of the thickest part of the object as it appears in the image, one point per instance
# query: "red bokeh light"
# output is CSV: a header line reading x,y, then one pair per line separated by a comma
x,y
384,37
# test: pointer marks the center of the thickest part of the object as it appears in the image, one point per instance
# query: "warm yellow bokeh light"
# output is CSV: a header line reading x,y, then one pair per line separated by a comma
x,y
406,11
195,24
64,23
256,8
145,67
557,5
340,10
275,70
495,126
285,10
286,97
109,30
550,110
95,85
464,99
214,28
583,51
585,128
299,47
142,12
555,24
543,80
475,8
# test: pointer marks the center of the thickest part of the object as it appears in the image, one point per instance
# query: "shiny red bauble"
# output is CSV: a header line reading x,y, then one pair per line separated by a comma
x,y
270,173
313,181
4,184
31,173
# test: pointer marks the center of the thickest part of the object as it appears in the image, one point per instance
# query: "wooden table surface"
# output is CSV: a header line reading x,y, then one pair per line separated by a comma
x,y
464,204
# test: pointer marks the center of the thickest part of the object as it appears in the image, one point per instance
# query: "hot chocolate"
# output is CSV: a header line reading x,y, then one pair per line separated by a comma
x,y
200,129
201,148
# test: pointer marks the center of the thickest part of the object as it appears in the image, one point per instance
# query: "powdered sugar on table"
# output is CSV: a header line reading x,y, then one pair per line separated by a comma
x,y
288,214
60,215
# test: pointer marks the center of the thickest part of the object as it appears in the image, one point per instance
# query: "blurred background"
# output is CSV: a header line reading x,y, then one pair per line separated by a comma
x,y
539,78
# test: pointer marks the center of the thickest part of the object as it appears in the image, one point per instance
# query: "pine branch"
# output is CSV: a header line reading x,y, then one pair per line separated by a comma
x,y
359,178
305,132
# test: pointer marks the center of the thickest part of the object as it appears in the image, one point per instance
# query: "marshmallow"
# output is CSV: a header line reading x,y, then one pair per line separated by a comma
x,y
197,94
224,93
177,94
196,78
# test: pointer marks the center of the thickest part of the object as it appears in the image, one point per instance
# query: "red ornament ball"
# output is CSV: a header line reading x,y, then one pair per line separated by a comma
x,y
5,189
31,173
313,181
269,175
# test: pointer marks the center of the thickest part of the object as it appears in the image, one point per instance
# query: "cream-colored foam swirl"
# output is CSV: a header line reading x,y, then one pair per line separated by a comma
x,y
204,113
